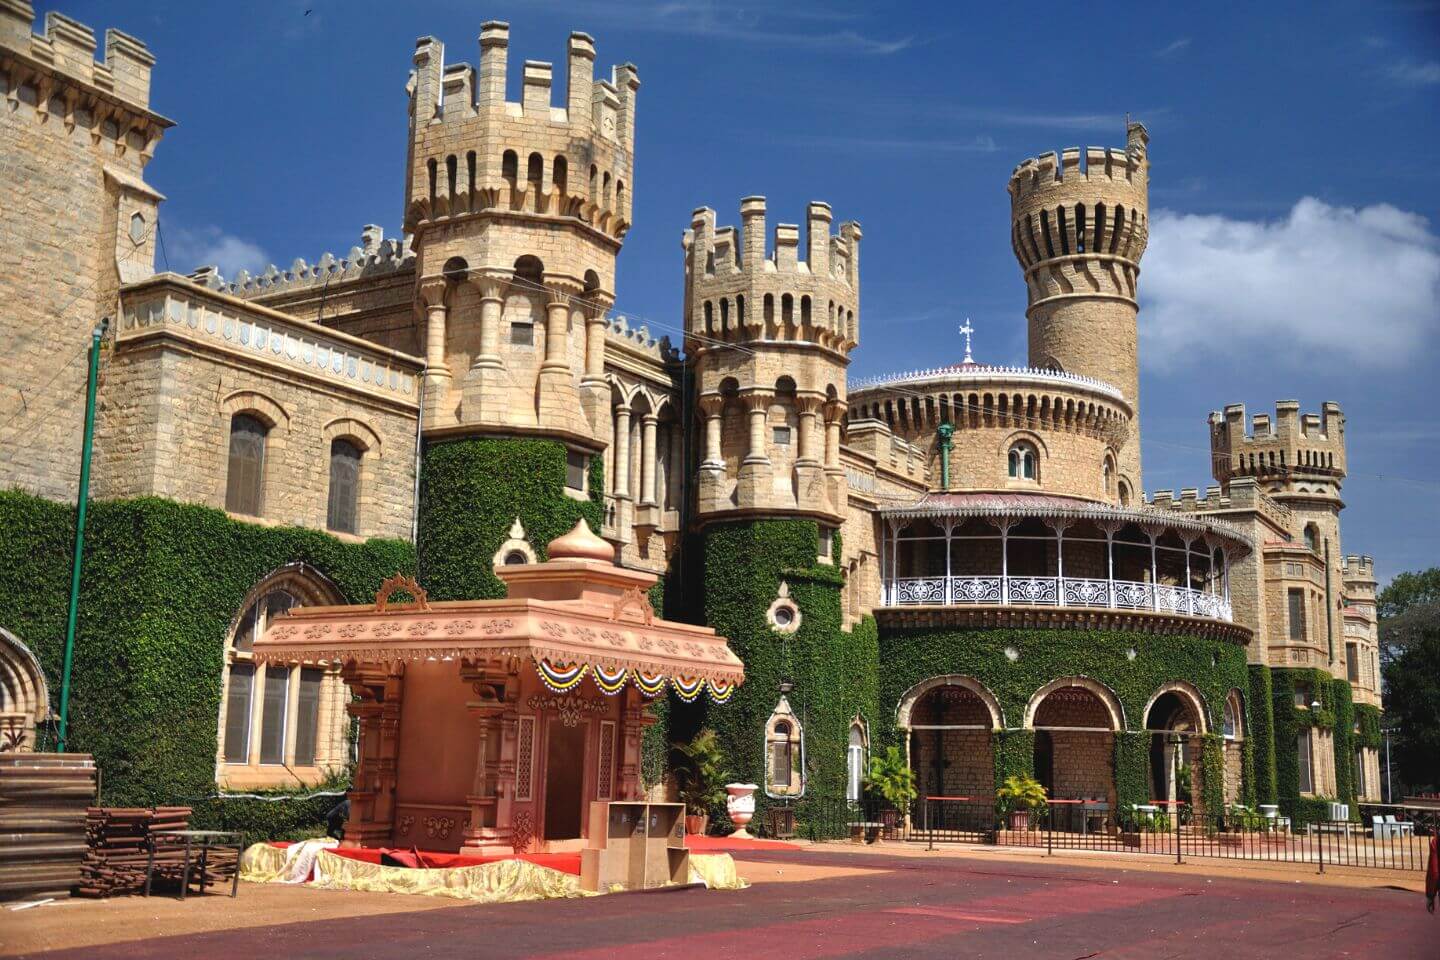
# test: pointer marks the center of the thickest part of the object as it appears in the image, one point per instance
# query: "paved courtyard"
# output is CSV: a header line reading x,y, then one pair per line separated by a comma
x,y
839,905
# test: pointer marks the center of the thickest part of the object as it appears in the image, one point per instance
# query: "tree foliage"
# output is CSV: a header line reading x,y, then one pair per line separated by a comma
x,y
1412,706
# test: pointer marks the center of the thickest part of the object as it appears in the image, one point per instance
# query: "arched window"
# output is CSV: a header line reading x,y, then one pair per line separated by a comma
x,y
510,166
343,511
1312,538
784,753
1124,494
1232,728
561,174
1024,461
515,559
272,715
245,472
1107,476
855,759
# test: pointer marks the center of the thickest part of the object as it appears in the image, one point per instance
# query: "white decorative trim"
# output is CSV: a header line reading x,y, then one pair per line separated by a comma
x,y
783,615
516,543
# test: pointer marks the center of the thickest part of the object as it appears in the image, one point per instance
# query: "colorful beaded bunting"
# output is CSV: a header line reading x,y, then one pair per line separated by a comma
x,y
650,684
609,681
561,679
720,690
687,688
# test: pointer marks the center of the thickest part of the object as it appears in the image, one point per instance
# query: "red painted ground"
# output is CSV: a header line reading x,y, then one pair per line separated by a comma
x,y
706,844
919,908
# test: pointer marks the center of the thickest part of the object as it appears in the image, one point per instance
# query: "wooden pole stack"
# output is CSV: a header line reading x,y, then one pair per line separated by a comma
x,y
120,841
43,801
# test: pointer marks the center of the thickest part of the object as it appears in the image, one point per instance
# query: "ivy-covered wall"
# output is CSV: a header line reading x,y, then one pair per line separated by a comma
x,y
1335,714
472,490
162,582
910,655
833,670
1260,736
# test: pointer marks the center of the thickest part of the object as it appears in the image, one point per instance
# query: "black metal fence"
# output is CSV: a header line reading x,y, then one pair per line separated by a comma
x,y
1376,837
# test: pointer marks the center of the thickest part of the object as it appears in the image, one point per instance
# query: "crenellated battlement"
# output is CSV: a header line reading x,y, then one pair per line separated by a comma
x,y
68,47
1358,567
474,150
735,290
1243,494
374,255
1290,445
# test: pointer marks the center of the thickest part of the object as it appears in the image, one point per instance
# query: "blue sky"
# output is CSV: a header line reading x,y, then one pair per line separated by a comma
x,y
1295,198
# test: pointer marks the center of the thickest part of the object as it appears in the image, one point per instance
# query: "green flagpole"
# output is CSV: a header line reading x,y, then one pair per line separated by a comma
x,y
83,500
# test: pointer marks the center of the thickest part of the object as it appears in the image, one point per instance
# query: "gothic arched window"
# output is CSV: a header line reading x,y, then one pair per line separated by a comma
x,y
245,472
343,510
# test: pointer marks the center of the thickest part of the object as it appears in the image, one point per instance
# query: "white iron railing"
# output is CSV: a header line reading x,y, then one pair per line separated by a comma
x,y
1055,591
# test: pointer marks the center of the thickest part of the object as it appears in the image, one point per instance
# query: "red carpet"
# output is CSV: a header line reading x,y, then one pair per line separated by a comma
x,y
705,844
564,862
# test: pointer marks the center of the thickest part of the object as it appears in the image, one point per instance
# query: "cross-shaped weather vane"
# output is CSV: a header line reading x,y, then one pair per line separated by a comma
x,y
967,330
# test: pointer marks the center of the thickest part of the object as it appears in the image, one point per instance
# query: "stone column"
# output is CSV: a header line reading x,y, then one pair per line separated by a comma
x,y
594,391
711,493
757,406
835,488
437,372
622,451
711,407
635,716
755,484
809,473
483,399
559,400
647,459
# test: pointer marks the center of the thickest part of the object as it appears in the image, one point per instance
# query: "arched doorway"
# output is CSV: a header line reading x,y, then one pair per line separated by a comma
x,y
1175,715
1075,720
24,696
948,722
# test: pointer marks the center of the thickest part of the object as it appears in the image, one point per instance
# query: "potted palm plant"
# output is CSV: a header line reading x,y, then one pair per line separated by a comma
x,y
701,777
890,779
1017,796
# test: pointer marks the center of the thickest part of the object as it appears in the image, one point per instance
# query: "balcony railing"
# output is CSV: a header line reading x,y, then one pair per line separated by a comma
x,y
1055,592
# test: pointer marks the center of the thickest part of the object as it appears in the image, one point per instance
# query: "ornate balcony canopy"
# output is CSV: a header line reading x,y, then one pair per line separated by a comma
x,y
1007,550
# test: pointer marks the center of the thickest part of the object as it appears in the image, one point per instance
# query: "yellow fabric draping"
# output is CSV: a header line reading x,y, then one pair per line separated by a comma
x,y
505,881
262,863
716,871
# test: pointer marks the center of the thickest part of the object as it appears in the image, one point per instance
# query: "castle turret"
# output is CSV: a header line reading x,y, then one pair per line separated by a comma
x,y
1292,456
769,339
518,210
1079,232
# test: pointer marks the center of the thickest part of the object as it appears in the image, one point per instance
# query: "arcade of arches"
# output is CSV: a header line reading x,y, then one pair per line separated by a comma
x,y
950,727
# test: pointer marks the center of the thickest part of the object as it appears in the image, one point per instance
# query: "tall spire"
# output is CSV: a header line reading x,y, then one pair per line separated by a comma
x,y
967,330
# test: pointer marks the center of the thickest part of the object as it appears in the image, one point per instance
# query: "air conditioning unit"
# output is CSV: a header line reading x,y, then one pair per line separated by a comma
x,y
1339,811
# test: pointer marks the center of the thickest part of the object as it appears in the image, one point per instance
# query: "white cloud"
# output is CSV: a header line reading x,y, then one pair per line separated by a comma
x,y
1360,287
1172,48
211,245
1413,74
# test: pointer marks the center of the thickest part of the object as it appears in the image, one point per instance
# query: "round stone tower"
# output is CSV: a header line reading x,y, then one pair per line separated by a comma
x,y
1079,232
517,210
769,339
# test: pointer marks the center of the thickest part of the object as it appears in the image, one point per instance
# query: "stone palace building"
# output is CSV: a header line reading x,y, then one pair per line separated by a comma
x,y
959,561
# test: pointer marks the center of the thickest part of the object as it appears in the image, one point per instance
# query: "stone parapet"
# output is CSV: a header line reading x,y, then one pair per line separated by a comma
x,y
171,305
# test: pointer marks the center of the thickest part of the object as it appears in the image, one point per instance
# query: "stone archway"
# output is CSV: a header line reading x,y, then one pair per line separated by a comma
x,y
24,695
1176,718
1075,720
948,722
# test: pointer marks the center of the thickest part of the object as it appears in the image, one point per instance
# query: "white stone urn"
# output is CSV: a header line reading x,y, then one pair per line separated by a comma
x,y
740,805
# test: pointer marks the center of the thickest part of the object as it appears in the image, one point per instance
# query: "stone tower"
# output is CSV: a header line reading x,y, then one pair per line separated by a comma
x,y
1079,232
769,338
1298,461
78,220
517,211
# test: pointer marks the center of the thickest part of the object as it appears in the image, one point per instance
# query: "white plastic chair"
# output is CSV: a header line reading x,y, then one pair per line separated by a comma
x,y
1379,827
1399,828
